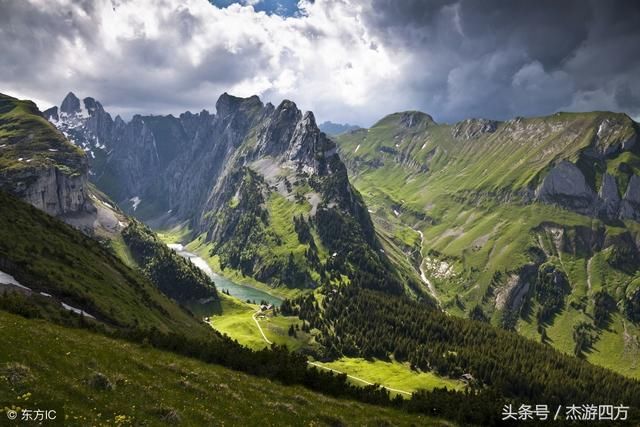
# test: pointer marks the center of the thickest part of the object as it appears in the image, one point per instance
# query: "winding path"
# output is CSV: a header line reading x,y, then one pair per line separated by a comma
x,y
317,365
260,328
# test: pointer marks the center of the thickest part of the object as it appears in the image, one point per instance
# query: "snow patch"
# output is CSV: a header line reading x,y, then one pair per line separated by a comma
x,y
44,294
8,279
357,148
76,310
396,213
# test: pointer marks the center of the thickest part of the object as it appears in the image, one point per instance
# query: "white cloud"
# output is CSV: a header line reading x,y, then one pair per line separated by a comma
x,y
163,56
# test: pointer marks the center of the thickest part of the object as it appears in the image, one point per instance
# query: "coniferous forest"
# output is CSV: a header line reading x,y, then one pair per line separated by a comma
x,y
364,323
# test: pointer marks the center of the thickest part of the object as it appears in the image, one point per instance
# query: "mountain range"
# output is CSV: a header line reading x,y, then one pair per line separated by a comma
x,y
235,179
385,240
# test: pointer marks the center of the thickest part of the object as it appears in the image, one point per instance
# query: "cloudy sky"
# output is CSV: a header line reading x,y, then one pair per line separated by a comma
x,y
347,60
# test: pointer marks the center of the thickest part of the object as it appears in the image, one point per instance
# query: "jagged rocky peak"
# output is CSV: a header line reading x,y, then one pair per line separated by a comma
x,y
473,128
92,105
275,136
70,104
118,122
294,137
310,147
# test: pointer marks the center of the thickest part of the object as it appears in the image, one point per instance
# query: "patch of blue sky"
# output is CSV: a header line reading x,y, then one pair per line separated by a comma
x,y
286,8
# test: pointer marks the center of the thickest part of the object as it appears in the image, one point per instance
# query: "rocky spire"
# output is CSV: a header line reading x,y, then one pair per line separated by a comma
x,y
70,104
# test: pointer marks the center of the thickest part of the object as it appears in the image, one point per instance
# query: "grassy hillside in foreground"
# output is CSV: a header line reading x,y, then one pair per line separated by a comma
x,y
49,256
462,185
101,381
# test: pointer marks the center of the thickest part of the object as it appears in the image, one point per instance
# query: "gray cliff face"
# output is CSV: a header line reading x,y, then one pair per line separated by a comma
x,y
50,190
565,185
608,194
630,206
59,194
137,164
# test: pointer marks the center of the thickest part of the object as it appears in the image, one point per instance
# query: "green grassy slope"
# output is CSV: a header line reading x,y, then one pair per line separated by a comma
x,y
26,135
101,381
465,195
49,256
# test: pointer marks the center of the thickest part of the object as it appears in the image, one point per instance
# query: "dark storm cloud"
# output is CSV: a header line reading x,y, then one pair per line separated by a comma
x,y
505,58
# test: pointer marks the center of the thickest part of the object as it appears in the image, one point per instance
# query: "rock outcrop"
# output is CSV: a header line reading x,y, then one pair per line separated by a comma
x,y
50,189
609,196
473,128
630,205
38,164
565,185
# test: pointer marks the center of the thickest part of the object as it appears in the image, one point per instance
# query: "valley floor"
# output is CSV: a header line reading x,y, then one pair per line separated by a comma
x,y
245,323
